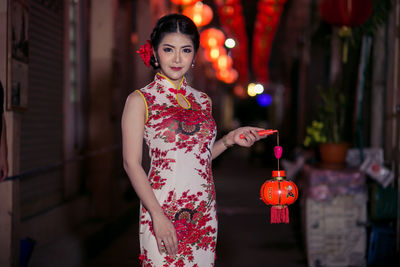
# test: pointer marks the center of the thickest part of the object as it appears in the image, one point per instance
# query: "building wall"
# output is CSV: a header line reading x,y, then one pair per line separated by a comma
x,y
41,139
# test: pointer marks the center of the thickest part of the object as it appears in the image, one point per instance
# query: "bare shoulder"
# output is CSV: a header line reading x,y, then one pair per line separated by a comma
x,y
134,99
134,104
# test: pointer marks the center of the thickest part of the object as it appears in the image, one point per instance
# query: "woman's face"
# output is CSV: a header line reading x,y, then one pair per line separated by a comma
x,y
175,56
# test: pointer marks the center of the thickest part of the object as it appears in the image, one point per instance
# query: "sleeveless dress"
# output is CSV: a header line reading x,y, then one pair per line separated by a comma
x,y
180,141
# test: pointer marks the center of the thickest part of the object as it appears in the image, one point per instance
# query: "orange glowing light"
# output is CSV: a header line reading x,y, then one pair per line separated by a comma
x,y
239,91
184,2
214,53
223,62
212,37
228,76
200,13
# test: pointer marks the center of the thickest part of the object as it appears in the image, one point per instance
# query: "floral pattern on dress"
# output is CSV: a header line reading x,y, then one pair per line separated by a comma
x,y
180,141
190,217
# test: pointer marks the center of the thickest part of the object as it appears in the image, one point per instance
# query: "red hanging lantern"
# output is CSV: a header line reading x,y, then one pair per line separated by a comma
x,y
200,13
214,53
224,62
184,2
346,14
227,76
279,193
231,17
266,25
212,37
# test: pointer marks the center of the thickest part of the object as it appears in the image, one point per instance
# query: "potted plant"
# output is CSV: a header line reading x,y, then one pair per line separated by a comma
x,y
328,131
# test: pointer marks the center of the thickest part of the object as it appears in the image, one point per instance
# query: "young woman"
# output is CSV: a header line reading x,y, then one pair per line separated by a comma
x,y
178,219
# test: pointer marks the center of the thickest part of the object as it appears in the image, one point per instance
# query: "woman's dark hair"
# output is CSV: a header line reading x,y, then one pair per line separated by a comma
x,y
173,23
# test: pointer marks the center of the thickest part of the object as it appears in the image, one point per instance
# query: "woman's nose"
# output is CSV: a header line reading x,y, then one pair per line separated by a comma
x,y
177,57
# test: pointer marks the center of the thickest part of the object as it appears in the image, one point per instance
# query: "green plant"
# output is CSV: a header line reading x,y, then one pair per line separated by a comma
x,y
329,127
332,113
314,134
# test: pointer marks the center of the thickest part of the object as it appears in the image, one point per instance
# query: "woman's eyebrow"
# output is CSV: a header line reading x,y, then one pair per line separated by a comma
x,y
185,46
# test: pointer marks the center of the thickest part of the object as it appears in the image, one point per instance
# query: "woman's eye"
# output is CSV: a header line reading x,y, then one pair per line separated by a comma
x,y
167,49
187,50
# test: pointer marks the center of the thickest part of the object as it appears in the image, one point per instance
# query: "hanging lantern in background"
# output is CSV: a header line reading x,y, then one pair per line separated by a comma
x,y
184,2
214,53
213,40
348,13
212,37
230,13
200,13
223,62
227,76
265,27
345,14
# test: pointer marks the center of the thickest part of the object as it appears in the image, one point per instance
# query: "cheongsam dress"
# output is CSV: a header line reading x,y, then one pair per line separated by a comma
x,y
180,138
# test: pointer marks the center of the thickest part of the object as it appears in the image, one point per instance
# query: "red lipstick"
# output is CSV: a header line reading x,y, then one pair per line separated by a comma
x,y
176,68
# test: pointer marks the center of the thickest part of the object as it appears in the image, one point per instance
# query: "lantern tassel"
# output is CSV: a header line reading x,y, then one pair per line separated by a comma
x,y
279,214
345,33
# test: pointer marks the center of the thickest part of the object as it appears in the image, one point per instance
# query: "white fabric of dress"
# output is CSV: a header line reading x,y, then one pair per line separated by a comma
x,y
180,137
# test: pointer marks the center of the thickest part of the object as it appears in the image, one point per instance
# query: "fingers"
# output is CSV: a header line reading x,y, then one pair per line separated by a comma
x,y
176,243
250,136
170,244
160,245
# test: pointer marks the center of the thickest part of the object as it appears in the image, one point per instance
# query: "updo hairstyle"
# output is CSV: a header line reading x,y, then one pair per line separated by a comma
x,y
170,24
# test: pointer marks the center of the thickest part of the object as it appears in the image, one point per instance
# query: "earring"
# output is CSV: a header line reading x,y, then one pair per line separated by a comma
x,y
156,64
193,65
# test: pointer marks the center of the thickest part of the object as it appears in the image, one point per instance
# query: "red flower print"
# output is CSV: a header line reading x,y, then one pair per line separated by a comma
x,y
205,242
169,259
181,91
184,137
196,216
170,136
189,206
180,263
202,206
182,228
156,185
156,180
146,262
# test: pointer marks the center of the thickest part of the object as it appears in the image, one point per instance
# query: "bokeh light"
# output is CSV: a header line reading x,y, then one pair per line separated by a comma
x,y
264,100
258,88
251,89
230,43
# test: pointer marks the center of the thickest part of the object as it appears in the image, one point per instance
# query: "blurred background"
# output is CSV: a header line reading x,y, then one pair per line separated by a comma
x,y
325,73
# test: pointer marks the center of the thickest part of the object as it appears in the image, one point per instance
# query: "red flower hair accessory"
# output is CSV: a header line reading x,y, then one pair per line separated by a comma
x,y
146,51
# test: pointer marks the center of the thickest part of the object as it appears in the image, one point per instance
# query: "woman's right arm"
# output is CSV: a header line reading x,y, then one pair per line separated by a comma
x,y
133,120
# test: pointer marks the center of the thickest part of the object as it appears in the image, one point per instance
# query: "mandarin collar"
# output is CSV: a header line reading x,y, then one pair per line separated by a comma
x,y
164,80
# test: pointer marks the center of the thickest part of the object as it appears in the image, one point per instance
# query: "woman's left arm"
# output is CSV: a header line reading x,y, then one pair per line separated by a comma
x,y
233,138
